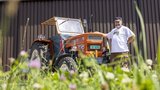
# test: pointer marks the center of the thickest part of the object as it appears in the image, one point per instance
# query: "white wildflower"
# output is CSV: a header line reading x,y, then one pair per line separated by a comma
x,y
26,70
125,69
150,67
126,80
116,79
62,77
149,62
72,72
83,75
11,60
72,86
110,75
154,76
35,64
37,86
23,53
4,85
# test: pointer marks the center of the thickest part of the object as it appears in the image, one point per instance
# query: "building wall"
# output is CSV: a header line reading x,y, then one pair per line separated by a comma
x,y
102,12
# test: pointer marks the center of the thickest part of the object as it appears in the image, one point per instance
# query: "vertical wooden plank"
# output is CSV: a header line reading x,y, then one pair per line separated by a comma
x,y
29,14
85,5
150,27
125,18
50,15
82,9
101,17
93,24
4,53
133,19
72,8
36,21
1,20
96,17
122,6
152,3
32,21
112,6
40,19
144,11
108,15
89,12
158,20
155,16
21,14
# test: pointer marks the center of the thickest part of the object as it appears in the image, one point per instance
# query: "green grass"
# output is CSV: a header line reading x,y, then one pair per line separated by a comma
x,y
98,77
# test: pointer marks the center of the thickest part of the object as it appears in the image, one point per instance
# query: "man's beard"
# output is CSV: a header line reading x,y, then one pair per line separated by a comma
x,y
118,26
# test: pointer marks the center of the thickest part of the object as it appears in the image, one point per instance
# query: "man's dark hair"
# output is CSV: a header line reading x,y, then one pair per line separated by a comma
x,y
118,18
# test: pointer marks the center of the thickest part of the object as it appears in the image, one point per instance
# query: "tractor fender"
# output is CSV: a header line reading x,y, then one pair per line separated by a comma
x,y
45,41
42,41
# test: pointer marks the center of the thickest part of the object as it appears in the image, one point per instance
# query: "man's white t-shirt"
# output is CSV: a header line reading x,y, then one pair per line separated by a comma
x,y
119,38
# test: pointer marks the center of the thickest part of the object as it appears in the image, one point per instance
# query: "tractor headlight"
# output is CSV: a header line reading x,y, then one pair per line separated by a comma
x,y
41,37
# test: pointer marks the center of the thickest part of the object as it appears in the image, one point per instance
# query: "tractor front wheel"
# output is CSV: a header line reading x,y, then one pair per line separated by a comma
x,y
67,64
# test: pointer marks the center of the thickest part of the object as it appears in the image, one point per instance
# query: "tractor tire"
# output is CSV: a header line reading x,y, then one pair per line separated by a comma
x,y
67,64
38,52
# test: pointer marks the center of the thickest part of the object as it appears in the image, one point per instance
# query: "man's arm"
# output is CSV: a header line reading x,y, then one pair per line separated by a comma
x,y
131,39
104,35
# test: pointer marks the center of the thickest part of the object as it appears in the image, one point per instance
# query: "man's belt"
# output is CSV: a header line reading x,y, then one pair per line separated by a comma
x,y
121,54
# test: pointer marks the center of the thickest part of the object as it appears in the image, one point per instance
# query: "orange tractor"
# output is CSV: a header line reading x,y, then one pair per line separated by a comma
x,y
62,50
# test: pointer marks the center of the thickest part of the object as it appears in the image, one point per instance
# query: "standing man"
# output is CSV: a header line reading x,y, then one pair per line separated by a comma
x,y
120,37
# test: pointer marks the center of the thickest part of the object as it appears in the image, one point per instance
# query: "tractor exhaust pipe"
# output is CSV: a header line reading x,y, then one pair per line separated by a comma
x,y
90,23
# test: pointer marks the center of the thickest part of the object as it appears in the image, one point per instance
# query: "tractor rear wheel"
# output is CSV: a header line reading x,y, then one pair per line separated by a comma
x,y
40,52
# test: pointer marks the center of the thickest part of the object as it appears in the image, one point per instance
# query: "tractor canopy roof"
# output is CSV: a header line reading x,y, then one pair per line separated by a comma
x,y
66,26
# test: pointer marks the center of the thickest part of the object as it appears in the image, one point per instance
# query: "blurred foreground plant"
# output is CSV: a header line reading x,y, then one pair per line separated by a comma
x,y
10,10
90,76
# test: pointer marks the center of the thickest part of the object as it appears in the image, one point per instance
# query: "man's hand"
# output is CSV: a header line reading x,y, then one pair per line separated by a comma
x,y
130,39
